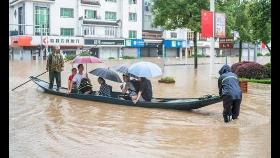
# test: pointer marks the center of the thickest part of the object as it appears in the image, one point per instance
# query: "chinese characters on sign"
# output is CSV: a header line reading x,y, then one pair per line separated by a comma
x,y
68,41
220,25
226,42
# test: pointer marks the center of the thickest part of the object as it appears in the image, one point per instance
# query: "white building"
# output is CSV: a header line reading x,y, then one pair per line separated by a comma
x,y
102,26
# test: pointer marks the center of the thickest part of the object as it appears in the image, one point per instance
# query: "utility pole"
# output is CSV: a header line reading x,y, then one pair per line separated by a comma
x,y
212,39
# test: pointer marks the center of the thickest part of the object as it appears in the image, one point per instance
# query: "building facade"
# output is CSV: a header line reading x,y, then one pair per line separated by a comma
x,y
101,26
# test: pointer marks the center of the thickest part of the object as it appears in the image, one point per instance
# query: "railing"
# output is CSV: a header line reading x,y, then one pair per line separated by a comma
x,y
152,35
23,0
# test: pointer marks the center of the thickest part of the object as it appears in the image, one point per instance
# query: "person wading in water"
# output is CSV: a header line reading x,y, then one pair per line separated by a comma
x,y
231,93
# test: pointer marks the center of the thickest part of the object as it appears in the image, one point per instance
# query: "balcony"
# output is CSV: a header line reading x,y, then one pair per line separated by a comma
x,y
152,34
13,2
90,2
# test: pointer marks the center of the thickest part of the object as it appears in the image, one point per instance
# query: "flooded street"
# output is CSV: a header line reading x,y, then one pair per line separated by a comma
x,y
44,125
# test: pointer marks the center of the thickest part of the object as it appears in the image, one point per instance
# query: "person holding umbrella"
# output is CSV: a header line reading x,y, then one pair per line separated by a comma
x,y
145,91
55,64
77,79
144,70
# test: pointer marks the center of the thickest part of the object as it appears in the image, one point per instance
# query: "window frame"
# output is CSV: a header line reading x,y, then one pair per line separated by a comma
x,y
61,31
135,34
63,16
130,16
110,12
94,13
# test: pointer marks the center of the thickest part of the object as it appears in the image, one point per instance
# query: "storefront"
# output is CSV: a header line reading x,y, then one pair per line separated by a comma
x,y
104,49
23,48
133,47
173,48
152,48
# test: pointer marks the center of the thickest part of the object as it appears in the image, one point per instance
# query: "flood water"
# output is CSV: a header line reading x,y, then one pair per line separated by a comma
x,y
44,125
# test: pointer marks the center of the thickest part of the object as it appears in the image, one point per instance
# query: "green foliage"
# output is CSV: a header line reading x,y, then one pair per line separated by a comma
x,y
85,53
167,79
128,57
267,54
69,57
260,18
259,54
178,13
111,58
263,81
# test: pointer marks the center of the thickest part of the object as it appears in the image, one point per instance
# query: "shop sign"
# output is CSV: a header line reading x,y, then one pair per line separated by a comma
x,y
58,40
134,43
173,44
103,42
226,42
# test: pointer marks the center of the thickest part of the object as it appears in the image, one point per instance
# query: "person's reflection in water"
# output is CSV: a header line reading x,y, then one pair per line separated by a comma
x,y
54,115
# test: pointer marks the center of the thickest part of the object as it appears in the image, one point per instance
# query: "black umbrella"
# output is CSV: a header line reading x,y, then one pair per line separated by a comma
x,y
106,74
121,68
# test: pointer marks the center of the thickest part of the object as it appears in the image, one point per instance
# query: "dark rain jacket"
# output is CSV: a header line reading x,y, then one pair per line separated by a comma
x,y
228,83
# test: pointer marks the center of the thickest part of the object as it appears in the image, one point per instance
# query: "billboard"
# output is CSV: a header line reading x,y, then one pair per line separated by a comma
x,y
220,25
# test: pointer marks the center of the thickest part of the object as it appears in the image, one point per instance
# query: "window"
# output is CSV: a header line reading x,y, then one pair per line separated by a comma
x,y
66,12
110,31
132,1
110,16
147,6
90,14
41,17
132,34
111,0
66,31
21,20
132,17
173,35
88,30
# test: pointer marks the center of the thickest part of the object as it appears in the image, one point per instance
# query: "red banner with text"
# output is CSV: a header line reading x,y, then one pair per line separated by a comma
x,y
206,23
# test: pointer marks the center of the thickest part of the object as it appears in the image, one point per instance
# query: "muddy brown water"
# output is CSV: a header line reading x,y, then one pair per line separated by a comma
x,y
44,125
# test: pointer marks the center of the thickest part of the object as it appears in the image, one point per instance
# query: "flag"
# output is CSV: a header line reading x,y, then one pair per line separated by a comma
x,y
263,45
206,23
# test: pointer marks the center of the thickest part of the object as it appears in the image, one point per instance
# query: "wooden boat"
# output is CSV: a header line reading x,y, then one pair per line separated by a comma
x,y
165,103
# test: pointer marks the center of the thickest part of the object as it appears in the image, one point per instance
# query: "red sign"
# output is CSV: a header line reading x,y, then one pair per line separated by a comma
x,y
206,23
21,41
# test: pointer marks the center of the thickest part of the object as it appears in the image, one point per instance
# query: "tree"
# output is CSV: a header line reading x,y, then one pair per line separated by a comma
x,y
180,14
237,19
260,17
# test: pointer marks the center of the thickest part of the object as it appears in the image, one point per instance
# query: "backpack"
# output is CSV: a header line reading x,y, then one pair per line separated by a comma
x,y
84,86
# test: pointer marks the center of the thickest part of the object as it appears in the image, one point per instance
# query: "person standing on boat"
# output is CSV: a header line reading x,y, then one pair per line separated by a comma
x,y
145,91
55,64
230,92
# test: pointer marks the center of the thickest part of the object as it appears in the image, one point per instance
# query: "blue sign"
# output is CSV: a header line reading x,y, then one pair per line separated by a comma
x,y
134,43
174,43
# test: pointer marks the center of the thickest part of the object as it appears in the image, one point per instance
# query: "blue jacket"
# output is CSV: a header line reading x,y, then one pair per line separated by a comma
x,y
228,83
